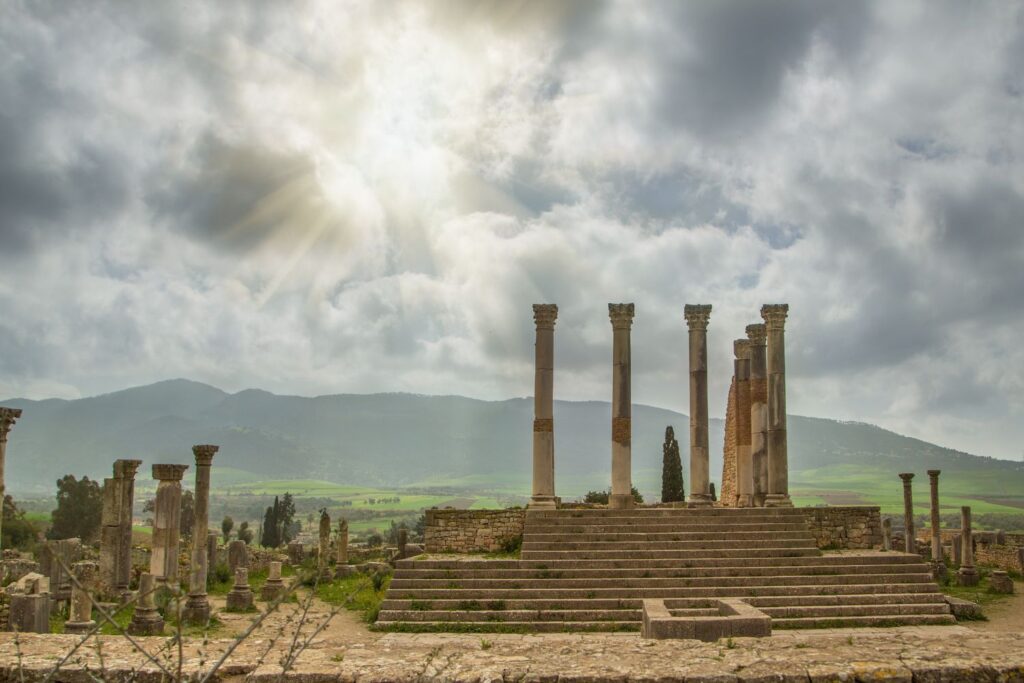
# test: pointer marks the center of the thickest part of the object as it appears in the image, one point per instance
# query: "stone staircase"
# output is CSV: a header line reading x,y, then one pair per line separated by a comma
x,y
589,570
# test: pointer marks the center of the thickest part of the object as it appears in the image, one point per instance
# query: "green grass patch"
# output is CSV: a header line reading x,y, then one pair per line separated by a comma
x,y
981,594
356,593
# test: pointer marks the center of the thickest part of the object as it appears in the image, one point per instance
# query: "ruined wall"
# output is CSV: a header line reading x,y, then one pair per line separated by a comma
x,y
727,496
468,531
857,527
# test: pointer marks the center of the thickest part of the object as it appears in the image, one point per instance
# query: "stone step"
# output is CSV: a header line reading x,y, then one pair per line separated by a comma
x,y
769,542
510,626
851,599
644,572
853,622
696,555
667,526
687,513
866,610
738,538
754,559
524,615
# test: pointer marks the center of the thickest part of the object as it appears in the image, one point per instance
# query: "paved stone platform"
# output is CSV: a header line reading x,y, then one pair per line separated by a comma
x,y
936,653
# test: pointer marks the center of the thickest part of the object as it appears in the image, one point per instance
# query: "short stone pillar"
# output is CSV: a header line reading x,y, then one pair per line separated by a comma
x,y
756,335
147,620
967,575
1000,582
197,607
296,553
342,549
956,551
163,563
8,416
273,587
938,566
403,541
621,316
30,612
240,597
324,548
80,617
697,318
908,513
544,316
774,316
886,534
238,555
744,463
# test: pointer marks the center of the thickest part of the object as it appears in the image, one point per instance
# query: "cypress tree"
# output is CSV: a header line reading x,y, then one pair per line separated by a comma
x,y
671,469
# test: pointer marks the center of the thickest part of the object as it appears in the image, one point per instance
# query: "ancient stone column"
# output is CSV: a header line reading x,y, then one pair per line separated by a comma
x,y
240,597
403,541
967,575
325,542
110,535
756,334
124,473
80,616
238,555
273,587
342,550
938,566
697,318
543,403
8,416
163,563
212,538
886,534
622,480
778,459
744,463
147,620
197,607
908,513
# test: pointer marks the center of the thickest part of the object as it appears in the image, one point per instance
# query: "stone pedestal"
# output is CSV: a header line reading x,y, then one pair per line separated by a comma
x,y
240,597
163,563
197,607
1000,582
744,463
8,416
697,318
967,575
621,316
778,449
938,566
908,513
756,334
147,620
342,549
886,535
544,316
274,586
80,618
30,612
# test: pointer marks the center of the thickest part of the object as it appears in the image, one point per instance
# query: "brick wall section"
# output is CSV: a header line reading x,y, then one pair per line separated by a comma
x,y
857,527
471,531
727,494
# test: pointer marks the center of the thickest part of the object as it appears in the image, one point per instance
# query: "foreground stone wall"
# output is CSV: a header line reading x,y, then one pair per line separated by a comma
x,y
469,531
856,527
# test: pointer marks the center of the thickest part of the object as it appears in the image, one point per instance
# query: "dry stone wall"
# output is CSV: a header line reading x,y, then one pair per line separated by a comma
x,y
857,527
469,531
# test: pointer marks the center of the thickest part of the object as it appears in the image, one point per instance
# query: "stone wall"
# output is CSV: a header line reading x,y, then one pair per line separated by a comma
x,y
857,527
469,531
727,494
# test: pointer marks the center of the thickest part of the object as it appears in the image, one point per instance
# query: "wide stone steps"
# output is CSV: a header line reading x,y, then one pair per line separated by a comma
x,y
674,554
860,622
676,514
670,572
659,537
754,559
511,626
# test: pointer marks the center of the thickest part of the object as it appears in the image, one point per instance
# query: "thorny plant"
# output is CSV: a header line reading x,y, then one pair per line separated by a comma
x,y
172,650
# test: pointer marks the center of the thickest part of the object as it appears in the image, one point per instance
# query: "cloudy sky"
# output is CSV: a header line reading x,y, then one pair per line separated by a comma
x,y
327,197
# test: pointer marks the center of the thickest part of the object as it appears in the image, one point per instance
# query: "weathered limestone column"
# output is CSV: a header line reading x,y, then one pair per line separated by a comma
x,y
342,550
8,416
908,513
124,472
744,464
403,541
543,403
697,318
938,566
967,575
778,459
163,563
80,615
886,534
197,607
756,334
212,539
238,555
147,620
622,481
325,542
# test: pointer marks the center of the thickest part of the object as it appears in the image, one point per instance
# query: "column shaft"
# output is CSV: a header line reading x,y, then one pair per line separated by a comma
x,y
778,459
8,416
967,575
124,473
163,562
543,408
908,513
756,334
938,566
697,318
197,609
622,484
744,463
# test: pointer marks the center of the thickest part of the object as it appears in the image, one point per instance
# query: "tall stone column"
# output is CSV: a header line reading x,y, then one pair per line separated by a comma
x,y
163,562
124,473
756,334
778,458
908,513
744,463
543,403
967,575
622,481
938,566
8,416
697,318
111,536
197,608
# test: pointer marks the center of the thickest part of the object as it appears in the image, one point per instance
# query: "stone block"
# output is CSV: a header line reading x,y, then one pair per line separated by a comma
x,y
963,609
736,619
1000,582
30,613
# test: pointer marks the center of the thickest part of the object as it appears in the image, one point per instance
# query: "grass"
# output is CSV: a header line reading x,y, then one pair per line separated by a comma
x,y
980,594
356,593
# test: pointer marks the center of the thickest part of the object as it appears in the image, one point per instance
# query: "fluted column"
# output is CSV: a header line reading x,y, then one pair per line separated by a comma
x,y
697,318
163,562
938,566
197,608
758,411
622,483
778,459
544,316
744,464
8,416
908,513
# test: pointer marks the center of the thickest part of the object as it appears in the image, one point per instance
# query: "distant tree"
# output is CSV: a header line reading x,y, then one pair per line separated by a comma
x,y
671,469
270,537
18,532
421,526
374,540
601,497
226,525
245,533
79,508
286,519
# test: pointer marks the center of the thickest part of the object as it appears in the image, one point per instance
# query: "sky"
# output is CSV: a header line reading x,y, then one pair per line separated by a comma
x,y
355,197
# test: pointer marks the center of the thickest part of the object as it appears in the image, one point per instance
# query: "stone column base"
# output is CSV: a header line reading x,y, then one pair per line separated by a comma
x,y
196,610
967,576
79,627
239,600
744,500
272,589
542,503
146,622
778,500
620,501
700,500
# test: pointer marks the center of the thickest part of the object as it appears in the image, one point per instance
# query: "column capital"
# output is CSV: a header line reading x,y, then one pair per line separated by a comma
x,y
697,316
621,316
165,472
775,315
126,469
204,454
906,477
8,416
544,315
741,349
757,334
934,474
